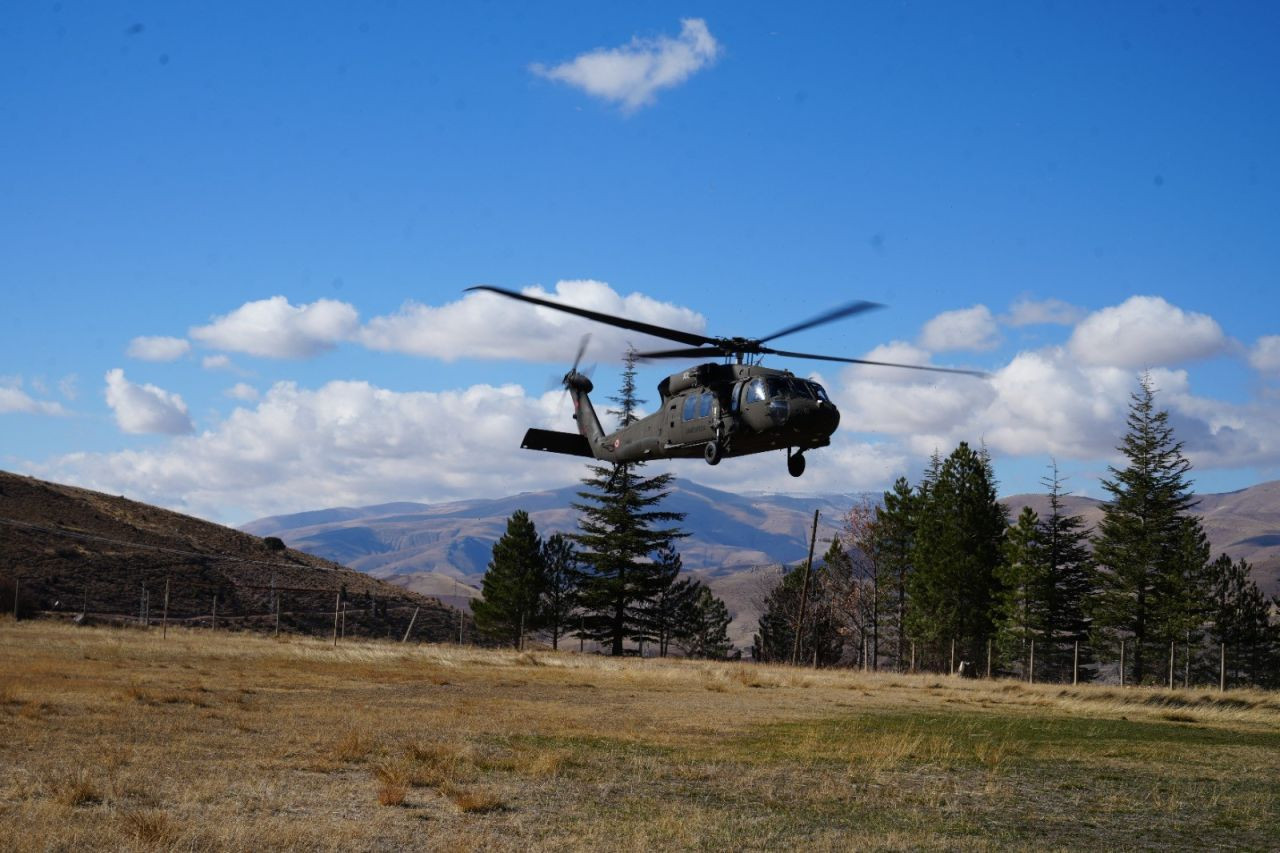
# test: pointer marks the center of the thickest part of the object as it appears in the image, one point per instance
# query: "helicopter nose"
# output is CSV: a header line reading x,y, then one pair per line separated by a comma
x,y
826,417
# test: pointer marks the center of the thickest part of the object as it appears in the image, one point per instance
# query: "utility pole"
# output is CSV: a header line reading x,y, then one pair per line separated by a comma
x,y
412,619
337,606
804,591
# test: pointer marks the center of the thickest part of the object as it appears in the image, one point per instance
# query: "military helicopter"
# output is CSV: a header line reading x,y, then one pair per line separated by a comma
x,y
715,410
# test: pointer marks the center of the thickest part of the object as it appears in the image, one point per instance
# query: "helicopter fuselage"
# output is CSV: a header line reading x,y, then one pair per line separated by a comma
x,y
741,408
734,408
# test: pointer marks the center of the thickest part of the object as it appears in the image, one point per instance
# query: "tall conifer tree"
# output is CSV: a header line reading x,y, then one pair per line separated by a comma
x,y
1021,603
560,586
619,528
509,605
1068,578
958,547
1138,541
893,539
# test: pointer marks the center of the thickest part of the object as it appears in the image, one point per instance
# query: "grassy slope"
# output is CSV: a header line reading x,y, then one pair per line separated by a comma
x,y
116,738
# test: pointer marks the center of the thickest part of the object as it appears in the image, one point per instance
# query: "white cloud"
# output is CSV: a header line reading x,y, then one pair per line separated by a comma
x,y
345,443
67,386
1145,331
1046,403
13,400
158,348
632,74
273,328
145,408
242,391
486,325
1265,355
972,329
220,361
1032,312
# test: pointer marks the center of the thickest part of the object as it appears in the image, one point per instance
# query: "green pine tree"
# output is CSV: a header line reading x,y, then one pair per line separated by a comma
x,y
702,625
657,615
774,641
560,586
1021,607
893,541
1068,583
619,528
958,547
513,583
1140,536
1240,620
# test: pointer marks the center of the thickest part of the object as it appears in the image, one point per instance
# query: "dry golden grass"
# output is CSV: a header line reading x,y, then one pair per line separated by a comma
x,y
119,739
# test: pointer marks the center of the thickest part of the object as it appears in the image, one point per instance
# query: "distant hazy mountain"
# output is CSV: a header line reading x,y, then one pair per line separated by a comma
x,y
442,550
1240,524
735,543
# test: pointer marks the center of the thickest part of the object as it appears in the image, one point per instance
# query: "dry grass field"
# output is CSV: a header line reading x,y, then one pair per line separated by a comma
x,y
115,738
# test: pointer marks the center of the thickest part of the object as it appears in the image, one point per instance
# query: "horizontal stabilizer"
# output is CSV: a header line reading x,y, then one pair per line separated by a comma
x,y
557,442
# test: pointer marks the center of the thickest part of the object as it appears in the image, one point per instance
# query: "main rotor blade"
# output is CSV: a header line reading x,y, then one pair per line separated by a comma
x,y
701,352
826,317
621,322
978,373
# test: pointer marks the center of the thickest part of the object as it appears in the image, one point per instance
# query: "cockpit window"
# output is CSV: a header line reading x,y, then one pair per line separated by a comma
x,y
821,392
756,392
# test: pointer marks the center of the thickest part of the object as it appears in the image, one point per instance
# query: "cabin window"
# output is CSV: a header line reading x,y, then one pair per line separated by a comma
x,y
690,407
756,391
708,400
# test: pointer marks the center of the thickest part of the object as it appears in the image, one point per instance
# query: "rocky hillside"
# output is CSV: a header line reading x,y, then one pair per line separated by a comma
x,y
71,550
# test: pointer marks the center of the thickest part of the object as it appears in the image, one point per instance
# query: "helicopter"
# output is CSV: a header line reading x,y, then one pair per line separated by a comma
x,y
716,410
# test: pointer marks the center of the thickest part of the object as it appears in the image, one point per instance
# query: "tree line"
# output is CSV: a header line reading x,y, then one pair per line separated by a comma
x,y
937,573
617,580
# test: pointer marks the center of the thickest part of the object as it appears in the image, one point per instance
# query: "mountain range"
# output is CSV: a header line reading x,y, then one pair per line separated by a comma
x,y
736,542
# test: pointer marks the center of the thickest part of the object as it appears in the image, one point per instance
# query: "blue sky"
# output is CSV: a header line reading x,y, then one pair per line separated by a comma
x,y
165,173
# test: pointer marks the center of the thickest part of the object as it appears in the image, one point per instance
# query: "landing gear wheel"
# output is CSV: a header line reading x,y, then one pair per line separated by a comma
x,y
795,465
711,453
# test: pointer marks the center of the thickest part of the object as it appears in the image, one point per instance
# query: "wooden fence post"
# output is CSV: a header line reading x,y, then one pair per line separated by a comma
x,y
952,671
213,625
1186,672
16,581
1171,647
164,617
1222,668
1122,663
1075,665
988,658
1031,669
277,598
913,657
